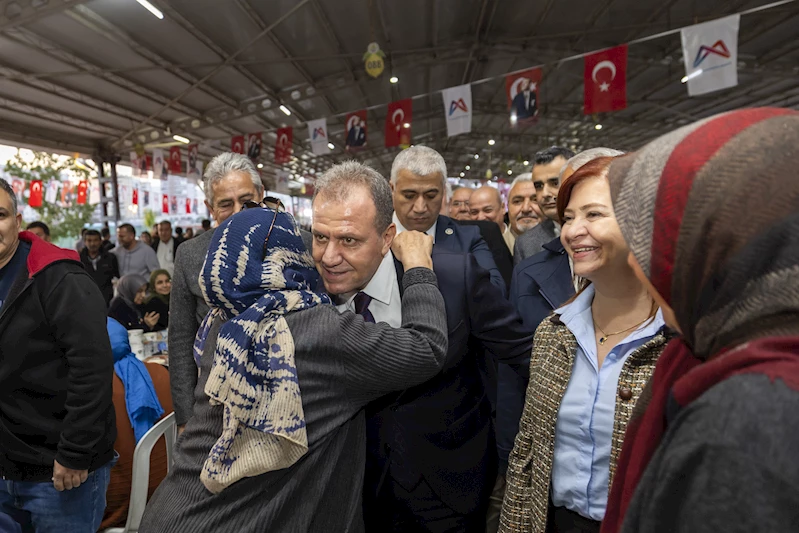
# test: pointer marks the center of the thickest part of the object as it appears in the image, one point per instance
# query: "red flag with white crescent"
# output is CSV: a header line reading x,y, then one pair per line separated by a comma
x,y
188,206
35,199
237,144
174,160
398,123
83,187
605,76
521,90
283,145
135,200
356,131
165,204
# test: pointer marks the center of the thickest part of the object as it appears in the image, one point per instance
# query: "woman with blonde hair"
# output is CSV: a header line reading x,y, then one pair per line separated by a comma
x,y
591,359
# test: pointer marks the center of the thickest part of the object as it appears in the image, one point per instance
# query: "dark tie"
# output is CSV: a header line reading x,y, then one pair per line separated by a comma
x,y
362,301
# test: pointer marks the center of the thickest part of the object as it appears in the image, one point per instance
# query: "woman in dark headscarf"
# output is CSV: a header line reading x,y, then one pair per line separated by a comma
x,y
127,306
158,299
711,216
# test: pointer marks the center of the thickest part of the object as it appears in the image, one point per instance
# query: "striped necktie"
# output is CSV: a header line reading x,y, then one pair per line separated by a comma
x,y
362,301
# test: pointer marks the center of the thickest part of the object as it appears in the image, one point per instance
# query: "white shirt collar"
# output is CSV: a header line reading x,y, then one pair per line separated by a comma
x,y
379,287
431,231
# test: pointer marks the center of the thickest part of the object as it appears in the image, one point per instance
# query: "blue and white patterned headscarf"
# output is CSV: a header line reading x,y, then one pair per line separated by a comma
x,y
254,374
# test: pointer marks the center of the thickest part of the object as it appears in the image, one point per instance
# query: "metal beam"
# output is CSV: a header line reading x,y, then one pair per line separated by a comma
x,y
47,113
15,14
26,136
216,71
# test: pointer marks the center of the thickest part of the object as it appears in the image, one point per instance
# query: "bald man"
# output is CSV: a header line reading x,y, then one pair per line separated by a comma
x,y
459,204
486,204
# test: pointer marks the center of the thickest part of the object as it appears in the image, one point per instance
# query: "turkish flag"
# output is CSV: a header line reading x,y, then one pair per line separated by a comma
x,y
283,145
165,204
188,206
35,199
237,144
135,200
398,123
606,81
83,187
174,160
521,90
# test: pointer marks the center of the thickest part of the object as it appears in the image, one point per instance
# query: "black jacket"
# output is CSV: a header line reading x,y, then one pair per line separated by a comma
x,y
56,369
107,270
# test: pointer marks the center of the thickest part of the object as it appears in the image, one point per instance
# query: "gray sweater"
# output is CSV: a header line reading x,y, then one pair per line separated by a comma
x,y
342,364
728,463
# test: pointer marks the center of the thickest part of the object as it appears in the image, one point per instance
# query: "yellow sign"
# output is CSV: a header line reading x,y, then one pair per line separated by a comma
x,y
373,60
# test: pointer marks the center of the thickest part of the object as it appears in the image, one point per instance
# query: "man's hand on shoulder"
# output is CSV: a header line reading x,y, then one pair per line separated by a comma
x,y
413,249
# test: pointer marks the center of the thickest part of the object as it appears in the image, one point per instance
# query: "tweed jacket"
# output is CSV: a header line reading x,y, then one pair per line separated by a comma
x,y
530,464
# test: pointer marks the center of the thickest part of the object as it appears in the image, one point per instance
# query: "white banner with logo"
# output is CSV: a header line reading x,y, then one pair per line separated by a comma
x,y
317,133
710,52
458,109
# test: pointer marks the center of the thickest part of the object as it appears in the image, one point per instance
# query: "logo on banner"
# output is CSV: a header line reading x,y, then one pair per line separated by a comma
x,y
459,104
318,132
373,60
719,48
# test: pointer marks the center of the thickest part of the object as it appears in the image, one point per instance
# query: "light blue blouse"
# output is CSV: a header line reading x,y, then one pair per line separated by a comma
x,y
584,428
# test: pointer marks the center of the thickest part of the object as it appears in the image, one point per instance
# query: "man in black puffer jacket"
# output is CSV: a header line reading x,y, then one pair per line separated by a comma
x,y
57,425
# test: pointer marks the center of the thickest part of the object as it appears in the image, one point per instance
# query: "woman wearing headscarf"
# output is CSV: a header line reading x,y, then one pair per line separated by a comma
x,y
158,299
591,359
141,397
127,306
711,215
277,438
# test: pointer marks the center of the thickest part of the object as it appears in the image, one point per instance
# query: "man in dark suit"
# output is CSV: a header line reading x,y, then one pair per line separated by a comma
x,y
356,136
431,456
418,187
547,166
524,103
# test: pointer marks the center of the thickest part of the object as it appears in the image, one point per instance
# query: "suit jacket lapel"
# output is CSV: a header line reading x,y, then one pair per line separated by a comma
x,y
443,240
554,277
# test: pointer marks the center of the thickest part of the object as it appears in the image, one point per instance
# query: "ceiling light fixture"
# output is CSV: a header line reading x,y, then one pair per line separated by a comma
x,y
260,165
463,174
406,125
468,167
181,139
331,146
477,156
598,127
526,163
510,172
393,79
285,110
491,142
151,8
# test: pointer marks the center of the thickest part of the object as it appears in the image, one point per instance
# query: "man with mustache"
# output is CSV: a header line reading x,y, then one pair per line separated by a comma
x,y
523,211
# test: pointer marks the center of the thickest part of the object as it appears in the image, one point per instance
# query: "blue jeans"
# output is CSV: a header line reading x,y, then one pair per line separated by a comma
x,y
27,507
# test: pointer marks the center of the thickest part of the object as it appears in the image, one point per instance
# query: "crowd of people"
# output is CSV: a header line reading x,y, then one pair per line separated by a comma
x,y
613,348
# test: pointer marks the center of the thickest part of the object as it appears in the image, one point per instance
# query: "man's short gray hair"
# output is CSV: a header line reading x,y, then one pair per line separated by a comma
x,y
589,155
338,181
420,160
225,163
522,178
10,191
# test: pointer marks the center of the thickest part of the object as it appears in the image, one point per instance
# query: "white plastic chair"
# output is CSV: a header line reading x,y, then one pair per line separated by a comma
x,y
141,471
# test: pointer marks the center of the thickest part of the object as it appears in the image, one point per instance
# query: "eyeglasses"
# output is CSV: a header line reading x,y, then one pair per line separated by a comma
x,y
269,202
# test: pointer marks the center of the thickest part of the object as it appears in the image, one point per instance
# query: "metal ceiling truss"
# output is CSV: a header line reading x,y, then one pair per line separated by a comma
x,y
19,12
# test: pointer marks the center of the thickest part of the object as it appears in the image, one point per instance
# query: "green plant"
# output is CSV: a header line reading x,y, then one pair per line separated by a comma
x,y
149,219
63,221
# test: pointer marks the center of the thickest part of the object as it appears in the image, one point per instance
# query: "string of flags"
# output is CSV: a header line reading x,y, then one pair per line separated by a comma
x,y
709,50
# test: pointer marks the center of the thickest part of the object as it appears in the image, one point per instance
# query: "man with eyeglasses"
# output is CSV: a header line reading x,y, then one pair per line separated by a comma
x,y
231,181
459,205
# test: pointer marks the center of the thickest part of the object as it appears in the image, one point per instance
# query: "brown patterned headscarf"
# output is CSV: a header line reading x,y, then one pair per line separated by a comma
x,y
711,213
